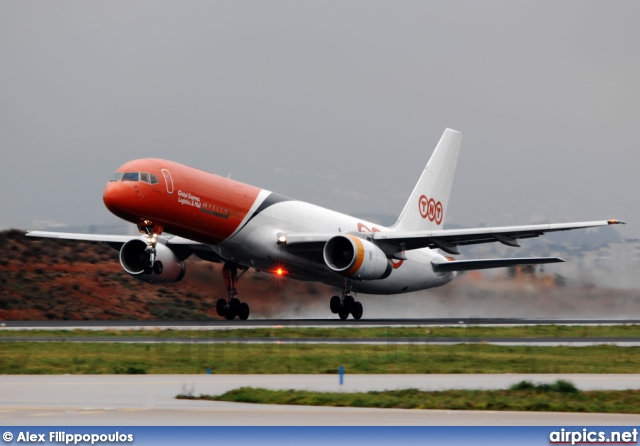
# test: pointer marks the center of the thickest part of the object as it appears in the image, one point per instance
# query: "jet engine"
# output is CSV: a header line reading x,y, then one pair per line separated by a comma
x,y
168,267
353,257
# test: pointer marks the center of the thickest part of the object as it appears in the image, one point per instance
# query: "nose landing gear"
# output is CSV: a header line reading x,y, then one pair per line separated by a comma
x,y
152,232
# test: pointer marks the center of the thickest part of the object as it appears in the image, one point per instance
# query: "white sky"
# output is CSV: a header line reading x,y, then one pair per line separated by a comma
x,y
339,103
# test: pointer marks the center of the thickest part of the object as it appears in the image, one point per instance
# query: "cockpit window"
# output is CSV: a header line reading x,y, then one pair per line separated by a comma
x,y
135,176
131,176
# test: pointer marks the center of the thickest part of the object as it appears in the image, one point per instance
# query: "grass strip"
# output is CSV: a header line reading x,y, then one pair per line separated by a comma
x,y
557,397
165,358
467,331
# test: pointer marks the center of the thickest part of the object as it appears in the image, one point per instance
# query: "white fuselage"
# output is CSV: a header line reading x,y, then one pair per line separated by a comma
x,y
255,246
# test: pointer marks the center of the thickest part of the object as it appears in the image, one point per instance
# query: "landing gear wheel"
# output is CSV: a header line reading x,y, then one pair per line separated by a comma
x,y
231,307
347,303
357,310
221,307
334,304
158,267
343,314
243,312
234,306
148,268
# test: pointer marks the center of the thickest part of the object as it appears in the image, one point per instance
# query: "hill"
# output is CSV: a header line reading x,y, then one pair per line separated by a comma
x,y
50,279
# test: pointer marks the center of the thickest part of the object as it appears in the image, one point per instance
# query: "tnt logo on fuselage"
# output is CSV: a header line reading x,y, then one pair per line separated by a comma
x,y
362,228
430,209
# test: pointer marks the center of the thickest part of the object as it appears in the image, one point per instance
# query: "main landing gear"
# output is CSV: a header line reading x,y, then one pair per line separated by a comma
x,y
345,305
152,232
231,307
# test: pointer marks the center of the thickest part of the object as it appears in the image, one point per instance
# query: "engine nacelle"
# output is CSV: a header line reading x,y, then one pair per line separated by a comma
x,y
353,257
133,259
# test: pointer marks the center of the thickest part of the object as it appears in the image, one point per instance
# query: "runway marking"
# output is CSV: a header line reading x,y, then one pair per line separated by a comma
x,y
292,323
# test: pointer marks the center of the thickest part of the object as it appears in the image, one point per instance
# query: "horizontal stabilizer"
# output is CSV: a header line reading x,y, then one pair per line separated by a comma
x,y
468,265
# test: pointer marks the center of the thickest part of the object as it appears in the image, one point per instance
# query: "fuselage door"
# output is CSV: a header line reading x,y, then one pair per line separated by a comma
x,y
168,181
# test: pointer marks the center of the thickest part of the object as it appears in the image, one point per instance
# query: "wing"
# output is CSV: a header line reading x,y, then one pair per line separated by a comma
x,y
449,239
394,243
183,246
86,237
105,238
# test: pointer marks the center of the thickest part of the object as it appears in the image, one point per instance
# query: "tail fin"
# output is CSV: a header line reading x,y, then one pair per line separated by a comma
x,y
427,205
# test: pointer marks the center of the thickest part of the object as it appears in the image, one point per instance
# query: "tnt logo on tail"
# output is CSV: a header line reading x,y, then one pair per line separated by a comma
x,y
431,193
430,209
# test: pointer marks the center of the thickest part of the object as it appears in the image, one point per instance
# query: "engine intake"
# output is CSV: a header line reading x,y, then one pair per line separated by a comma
x,y
353,257
133,259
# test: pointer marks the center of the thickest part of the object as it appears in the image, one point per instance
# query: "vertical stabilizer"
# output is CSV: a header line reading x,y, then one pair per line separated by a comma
x,y
427,206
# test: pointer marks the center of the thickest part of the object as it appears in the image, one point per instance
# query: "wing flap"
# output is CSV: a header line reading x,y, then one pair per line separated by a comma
x,y
468,265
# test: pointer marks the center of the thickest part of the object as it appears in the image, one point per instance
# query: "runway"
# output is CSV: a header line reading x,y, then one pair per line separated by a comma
x,y
85,400
99,400
333,322
531,341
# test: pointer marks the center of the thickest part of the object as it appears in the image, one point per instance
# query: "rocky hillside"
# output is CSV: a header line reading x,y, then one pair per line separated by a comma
x,y
56,279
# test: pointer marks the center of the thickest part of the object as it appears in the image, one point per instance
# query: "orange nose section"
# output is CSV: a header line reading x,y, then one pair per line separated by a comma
x,y
119,198
112,195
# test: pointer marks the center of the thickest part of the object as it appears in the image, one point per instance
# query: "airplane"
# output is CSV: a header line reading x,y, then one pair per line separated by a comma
x,y
182,211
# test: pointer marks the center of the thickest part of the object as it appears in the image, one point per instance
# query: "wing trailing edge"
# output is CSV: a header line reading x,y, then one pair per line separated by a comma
x,y
468,265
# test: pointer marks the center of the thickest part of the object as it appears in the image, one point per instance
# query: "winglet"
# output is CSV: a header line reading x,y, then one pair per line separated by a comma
x,y
616,222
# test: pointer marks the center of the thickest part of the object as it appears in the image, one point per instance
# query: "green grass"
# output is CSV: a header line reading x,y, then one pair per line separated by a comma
x,y
463,331
558,397
163,358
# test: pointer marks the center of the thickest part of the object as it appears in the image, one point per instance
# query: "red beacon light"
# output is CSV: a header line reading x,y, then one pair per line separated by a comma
x,y
279,271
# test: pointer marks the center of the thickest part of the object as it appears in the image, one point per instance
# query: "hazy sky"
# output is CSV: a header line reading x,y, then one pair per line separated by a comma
x,y
339,103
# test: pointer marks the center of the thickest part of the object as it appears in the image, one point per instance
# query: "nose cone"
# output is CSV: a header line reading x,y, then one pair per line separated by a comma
x,y
111,195
118,198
